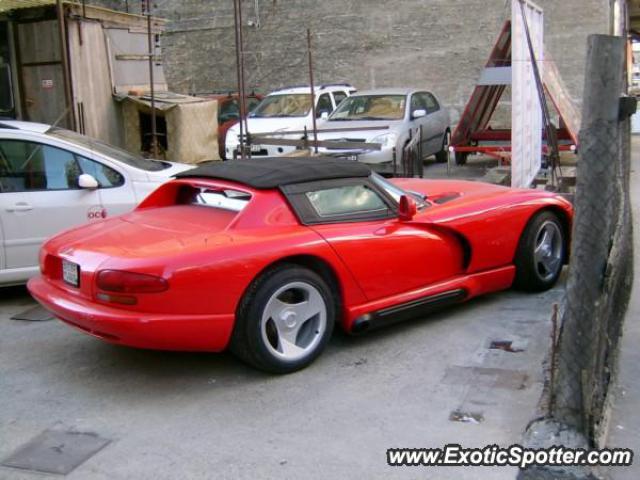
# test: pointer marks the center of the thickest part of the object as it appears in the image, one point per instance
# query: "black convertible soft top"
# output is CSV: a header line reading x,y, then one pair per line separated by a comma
x,y
265,173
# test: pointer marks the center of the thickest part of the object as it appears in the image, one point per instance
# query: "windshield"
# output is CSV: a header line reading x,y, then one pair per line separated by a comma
x,y
371,107
108,150
396,192
289,105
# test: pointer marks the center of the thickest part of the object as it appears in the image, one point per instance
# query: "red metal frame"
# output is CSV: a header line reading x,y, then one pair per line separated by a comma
x,y
473,126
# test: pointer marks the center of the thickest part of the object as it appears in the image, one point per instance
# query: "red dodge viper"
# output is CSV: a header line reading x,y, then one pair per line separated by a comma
x,y
265,256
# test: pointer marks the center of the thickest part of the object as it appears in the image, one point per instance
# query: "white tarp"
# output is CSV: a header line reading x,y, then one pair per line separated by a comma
x,y
526,111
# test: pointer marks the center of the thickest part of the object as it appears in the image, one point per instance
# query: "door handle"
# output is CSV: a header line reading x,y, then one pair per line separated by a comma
x,y
20,207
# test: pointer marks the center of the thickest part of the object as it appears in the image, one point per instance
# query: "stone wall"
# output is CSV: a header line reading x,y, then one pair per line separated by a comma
x,y
436,44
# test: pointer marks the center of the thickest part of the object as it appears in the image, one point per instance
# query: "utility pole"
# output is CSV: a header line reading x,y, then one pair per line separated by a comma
x,y
313,93
237,17
146,5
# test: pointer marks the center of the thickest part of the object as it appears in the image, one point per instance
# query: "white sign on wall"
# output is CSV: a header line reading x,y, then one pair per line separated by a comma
x,y
526,111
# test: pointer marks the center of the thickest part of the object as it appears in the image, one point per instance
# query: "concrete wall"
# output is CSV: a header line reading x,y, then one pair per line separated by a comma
x,y
437,44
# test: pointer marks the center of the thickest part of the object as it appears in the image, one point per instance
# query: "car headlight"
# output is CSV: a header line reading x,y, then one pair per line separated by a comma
x,y
386,139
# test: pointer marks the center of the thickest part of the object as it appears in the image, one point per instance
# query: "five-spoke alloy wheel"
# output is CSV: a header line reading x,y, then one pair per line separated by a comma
x,y
541,253
285,319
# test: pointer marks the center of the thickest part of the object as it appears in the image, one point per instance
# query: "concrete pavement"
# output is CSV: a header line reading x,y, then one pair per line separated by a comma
x,y
182,415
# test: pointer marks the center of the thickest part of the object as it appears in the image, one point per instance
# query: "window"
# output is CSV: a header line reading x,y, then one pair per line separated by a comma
x,y
26,166
418,102
106,176
371,107
108,150
346,200
228,110
324,104
430,102
338,97
29,166
283,105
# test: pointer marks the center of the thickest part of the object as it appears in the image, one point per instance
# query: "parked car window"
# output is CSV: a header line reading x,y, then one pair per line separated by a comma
x,y
107,177
285,105
108,150
430,102
338,97
371,107
229,110
27,166
418,102
324,104
252,102
345,200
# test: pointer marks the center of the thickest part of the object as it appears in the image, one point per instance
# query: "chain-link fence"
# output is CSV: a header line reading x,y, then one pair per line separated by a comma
x,y
600,272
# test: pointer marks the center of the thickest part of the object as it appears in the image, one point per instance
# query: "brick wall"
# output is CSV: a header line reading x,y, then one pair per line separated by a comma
x,y
436,44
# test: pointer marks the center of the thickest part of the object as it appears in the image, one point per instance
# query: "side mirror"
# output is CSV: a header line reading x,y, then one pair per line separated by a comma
x,y
407,208
324,115
87,181
419,113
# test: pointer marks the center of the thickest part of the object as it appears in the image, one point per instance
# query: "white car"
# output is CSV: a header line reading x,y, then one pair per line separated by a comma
x,y
389,117
287,109
52,179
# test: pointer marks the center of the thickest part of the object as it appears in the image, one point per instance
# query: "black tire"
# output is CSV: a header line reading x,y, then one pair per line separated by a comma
x,y
251,344
443,155
461,158
535,270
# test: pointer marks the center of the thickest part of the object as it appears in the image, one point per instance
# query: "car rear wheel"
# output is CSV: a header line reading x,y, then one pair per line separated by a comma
x,y
541,253
443,155
284,320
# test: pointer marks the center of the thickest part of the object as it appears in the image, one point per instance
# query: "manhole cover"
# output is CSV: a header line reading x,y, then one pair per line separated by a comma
x,y
55,451
34,314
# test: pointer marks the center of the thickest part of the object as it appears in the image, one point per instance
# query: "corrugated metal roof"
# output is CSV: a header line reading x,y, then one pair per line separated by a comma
x,y
8,5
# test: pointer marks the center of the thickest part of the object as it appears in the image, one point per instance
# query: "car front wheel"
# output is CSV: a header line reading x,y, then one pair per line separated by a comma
x,y
284,320
541,253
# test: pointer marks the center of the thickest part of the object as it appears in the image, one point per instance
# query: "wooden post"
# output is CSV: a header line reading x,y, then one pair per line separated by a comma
x,y
579,377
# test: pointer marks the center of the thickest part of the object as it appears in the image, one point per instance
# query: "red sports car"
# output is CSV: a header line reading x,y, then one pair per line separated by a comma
x,y
265,256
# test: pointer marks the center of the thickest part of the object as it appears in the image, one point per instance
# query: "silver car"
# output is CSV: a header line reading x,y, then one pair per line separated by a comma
x,y
403,111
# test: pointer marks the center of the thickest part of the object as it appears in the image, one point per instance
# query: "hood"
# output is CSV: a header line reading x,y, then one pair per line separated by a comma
x,y
273,124
444,192
353,127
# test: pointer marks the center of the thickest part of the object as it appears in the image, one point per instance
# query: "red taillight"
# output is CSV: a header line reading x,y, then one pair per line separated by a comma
x,y
130,282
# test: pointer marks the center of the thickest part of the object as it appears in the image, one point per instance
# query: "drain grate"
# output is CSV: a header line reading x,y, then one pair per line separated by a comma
x,y
56,451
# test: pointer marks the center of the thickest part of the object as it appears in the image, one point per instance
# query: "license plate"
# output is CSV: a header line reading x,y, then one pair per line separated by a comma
x,y
256,148
71,273
353,158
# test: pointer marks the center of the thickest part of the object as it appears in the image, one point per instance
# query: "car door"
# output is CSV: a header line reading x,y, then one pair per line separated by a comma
x,y
324,105
419,124
386,256
39,197
116,190
435,124
338,96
